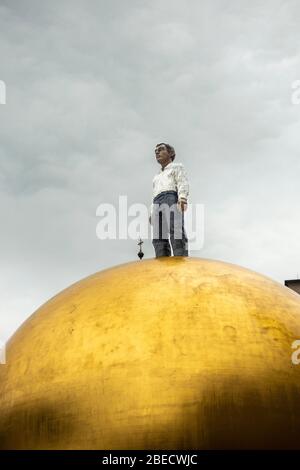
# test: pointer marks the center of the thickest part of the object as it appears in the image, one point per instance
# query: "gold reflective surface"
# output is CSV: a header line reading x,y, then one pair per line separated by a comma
x,y
170,353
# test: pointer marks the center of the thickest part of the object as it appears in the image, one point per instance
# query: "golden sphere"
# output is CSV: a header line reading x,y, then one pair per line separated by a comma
x,y
165,353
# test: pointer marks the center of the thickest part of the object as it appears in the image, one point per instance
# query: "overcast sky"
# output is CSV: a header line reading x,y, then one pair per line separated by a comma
x,y
92,87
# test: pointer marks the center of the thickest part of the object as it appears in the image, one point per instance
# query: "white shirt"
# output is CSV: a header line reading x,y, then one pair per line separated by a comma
x,y
172,178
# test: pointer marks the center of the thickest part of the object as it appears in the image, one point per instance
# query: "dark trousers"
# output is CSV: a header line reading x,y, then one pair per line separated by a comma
x,y
167,220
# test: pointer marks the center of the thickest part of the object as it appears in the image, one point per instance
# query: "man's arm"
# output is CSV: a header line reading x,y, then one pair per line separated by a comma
x,y
151,213
182,186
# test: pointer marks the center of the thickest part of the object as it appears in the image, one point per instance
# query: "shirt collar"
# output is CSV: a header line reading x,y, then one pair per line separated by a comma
x,y
167,166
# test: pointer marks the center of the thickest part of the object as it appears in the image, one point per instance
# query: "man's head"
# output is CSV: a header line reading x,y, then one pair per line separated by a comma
x,y
164,153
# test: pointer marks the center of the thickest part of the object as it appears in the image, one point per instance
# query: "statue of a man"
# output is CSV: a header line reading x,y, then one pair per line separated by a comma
x,y
170,194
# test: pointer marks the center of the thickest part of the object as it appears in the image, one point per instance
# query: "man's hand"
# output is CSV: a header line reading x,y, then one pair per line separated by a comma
x,y
182,204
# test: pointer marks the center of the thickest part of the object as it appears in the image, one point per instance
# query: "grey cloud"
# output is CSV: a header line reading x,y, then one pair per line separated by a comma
x,y
93,86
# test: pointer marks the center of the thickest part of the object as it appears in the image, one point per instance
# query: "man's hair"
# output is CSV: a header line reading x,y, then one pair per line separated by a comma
x,y
169,148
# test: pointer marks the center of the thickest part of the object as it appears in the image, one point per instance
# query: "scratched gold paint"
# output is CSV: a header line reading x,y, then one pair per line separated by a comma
x,y
169,353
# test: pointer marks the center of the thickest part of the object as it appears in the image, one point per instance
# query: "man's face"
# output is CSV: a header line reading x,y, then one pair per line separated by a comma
x,y
162,154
